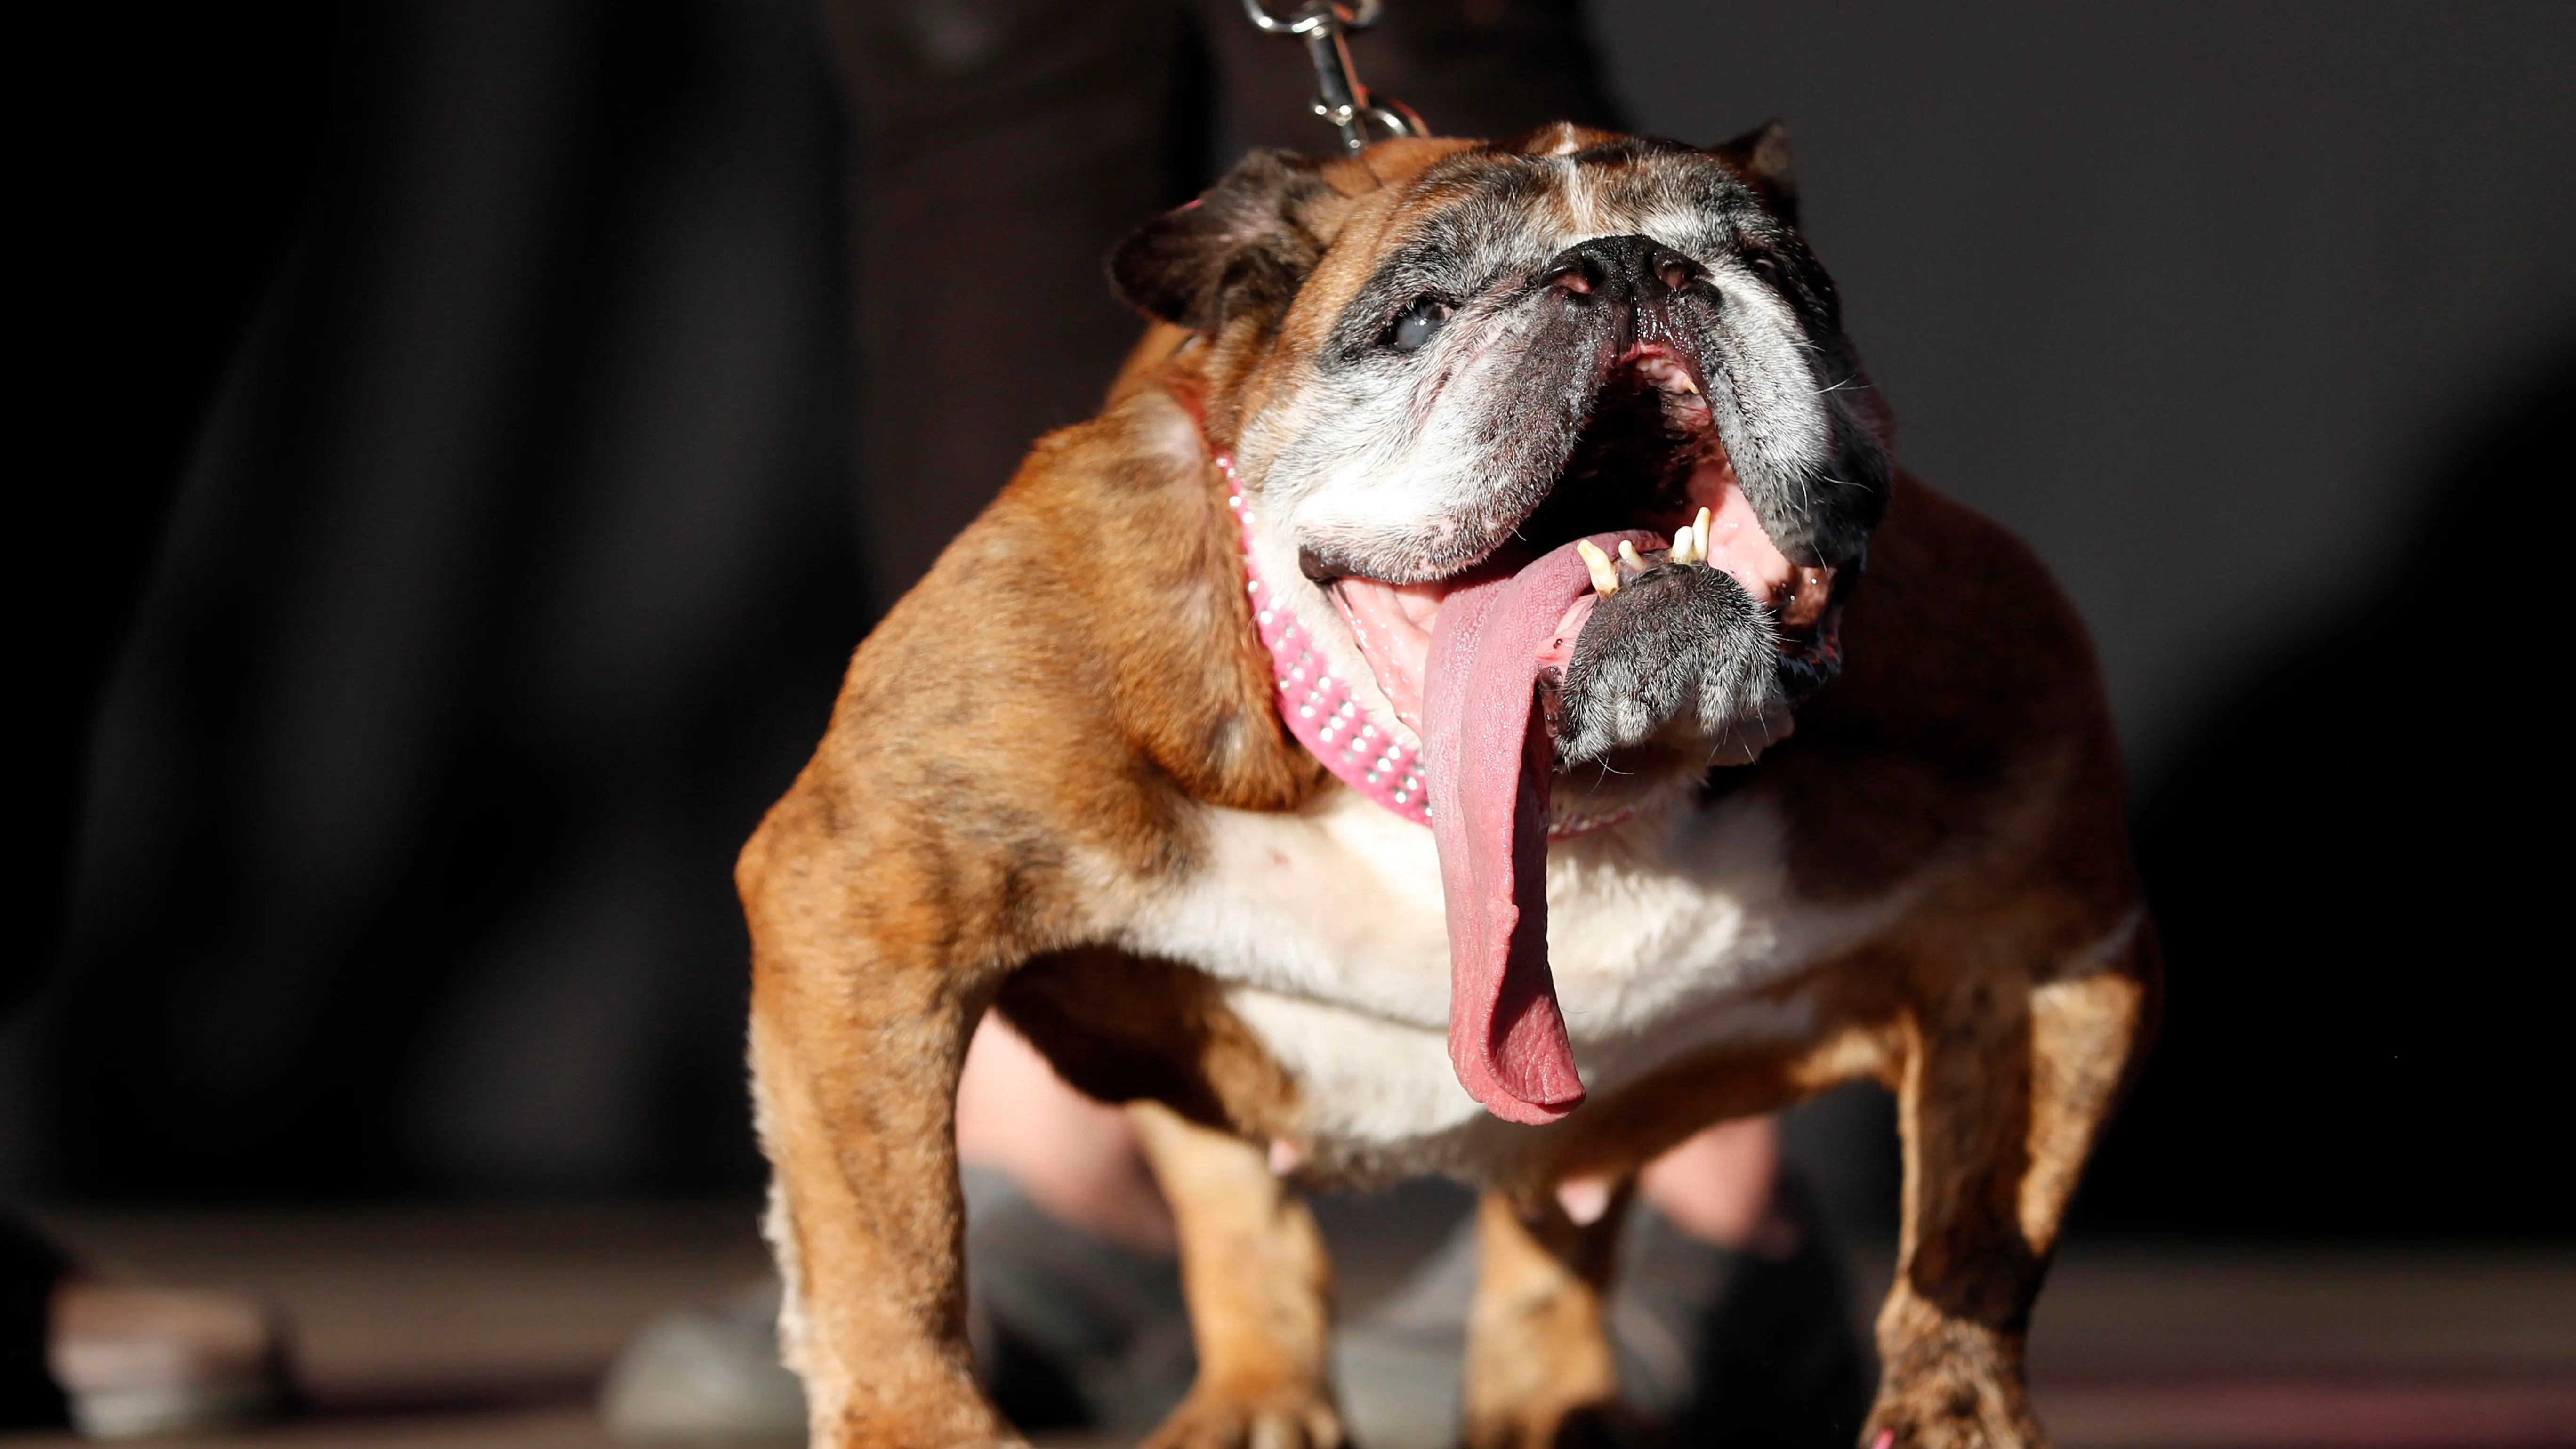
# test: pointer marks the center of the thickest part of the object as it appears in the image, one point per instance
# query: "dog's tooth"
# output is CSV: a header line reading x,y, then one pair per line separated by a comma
x,y
1628,555
1605,577
1700,529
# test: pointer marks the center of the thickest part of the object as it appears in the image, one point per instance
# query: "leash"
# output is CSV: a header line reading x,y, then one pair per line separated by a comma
x,y
1340,99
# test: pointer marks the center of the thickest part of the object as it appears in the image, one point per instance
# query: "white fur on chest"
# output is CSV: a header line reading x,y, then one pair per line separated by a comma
x,y
1329,926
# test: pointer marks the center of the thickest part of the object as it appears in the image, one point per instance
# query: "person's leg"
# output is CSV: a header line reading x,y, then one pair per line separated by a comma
x,y
1076,1158
1074,1289
1722,1187
999,150
1732,1315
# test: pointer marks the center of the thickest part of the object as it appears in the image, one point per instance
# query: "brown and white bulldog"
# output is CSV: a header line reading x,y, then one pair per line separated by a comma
x,y
1400,734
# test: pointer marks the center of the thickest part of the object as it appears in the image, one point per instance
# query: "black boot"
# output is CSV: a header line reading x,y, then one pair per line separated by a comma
x,y
29,1269
1729,1346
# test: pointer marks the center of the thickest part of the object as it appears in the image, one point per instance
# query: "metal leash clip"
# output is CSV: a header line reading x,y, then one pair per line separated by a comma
x,y
1340,98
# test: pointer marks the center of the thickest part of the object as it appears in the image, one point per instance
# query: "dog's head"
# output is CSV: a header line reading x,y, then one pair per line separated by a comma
x,y
1559,444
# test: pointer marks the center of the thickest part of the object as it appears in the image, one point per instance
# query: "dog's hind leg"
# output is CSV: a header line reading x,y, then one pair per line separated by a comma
x,y
1539,1368
860,1015
2007,1083
1258,1282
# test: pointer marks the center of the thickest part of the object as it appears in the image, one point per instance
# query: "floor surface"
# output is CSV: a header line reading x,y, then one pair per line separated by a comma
x,y
432,1328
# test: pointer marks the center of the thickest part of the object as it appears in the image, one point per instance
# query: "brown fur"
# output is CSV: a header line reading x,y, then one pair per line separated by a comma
x,y
1539,1371
1016,753
1258,1285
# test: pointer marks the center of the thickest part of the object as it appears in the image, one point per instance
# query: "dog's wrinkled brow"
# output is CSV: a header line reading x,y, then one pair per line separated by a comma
x,y
1487,215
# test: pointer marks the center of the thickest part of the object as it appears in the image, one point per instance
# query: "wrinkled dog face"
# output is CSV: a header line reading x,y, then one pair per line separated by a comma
x,y
1458,371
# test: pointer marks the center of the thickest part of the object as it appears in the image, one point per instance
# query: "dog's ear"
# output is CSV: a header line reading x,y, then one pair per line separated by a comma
x,y
1242,245
1761,157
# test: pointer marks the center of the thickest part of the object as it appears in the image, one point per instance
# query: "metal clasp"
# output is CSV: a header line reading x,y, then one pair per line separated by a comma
x,y
1340,98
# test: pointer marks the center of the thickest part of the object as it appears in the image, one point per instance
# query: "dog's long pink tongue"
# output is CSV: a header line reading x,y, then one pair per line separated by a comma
x,y
1491,762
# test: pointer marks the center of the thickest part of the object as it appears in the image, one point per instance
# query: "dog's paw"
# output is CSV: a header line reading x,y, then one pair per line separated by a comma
x,y
1953,1411
1677,643
1585,1426
1224,1421
1953,1431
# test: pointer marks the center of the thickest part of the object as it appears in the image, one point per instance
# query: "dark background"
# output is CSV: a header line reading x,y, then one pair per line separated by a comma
x,y
443,516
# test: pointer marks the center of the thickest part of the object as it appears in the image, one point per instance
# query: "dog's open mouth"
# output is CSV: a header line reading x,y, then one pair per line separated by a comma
x,y
1464,660
1647,474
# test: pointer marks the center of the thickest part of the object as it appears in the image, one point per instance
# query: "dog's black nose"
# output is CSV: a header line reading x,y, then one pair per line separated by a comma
x,y
1620,268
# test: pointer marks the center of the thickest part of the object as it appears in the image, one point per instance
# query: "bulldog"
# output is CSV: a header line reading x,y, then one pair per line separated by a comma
x,y
1479,700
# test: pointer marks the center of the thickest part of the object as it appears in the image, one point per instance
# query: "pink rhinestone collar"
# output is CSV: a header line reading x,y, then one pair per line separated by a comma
x,y
1316,703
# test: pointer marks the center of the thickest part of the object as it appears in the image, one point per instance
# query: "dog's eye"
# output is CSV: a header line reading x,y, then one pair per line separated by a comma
x,y
1419,324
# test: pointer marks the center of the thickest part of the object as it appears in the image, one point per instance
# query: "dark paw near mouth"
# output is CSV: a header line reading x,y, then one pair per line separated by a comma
x,y
1678,643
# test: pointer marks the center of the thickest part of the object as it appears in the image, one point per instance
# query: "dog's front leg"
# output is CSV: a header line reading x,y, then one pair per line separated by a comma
x,y
2007,1084
1254,1270
1539,1370
860,1015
